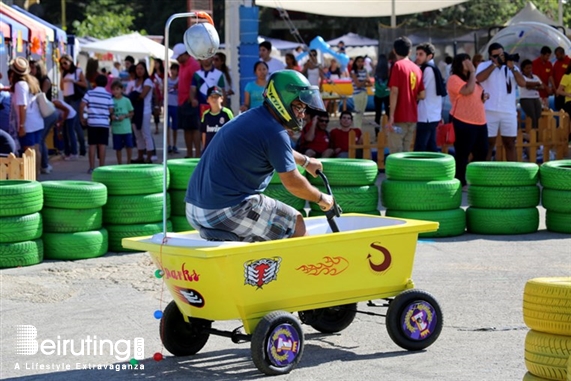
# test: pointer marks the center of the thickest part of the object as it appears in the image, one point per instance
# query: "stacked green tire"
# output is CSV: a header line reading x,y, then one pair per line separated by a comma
x,y
555,177
502,198
277,191
72,219
180,172
135,201
547,313
20,223
353,183
421,186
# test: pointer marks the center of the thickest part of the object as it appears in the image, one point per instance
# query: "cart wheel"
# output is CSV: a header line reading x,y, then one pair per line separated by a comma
x,y
277,343
414,320
179,337
330,320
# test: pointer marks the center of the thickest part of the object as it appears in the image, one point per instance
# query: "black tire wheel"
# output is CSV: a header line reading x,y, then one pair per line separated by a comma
x,y
179,337
277,343
414,320
330,320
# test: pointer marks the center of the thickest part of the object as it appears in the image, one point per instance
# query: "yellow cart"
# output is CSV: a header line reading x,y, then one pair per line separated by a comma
x,y
321,276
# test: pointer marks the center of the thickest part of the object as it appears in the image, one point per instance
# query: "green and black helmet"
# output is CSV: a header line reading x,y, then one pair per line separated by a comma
x,y
284,87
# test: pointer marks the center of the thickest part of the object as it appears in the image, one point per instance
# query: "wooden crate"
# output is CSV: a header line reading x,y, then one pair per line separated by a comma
x,y
16,168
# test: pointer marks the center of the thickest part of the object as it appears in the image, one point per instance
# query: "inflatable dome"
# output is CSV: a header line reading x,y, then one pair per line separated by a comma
x,y
527,39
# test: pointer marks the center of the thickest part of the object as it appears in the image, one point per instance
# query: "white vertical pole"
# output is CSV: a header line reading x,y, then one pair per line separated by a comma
x,y
232,41
561,12
394,14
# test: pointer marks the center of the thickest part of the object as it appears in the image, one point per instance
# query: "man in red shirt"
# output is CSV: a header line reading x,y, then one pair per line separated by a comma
x,y
559,68
407,88
314,140
340,136
188,120
543,68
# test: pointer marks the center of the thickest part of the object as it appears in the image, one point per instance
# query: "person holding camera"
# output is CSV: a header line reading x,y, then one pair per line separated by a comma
x,y
498,77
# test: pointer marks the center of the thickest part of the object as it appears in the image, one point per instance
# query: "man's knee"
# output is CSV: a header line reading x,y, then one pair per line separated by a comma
x,y
299,227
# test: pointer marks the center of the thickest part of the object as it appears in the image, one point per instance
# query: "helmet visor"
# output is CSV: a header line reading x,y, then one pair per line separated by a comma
x,y
311,96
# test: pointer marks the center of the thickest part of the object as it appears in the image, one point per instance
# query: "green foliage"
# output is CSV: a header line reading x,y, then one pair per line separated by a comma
x,y
104,25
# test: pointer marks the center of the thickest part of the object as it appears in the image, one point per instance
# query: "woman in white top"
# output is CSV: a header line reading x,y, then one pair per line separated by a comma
x,y
312,70
529,95
72,79
30,124
141,97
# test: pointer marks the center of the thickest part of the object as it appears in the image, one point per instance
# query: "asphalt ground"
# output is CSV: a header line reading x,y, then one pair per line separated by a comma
x,y
478,281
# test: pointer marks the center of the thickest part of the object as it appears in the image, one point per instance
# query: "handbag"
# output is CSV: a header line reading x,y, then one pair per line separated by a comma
x,y
46,107
445,134
78,91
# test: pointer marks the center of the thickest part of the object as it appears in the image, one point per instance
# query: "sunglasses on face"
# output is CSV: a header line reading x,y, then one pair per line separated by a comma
x,y
299,108
323,120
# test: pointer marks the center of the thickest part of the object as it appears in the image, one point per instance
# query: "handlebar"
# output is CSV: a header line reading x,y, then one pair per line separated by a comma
x,y
335,211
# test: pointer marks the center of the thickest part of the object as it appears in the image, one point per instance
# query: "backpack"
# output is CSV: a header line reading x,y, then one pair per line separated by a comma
x,y
440,84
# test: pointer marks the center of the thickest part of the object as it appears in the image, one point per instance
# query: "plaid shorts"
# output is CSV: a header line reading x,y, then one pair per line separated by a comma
x,y
257,218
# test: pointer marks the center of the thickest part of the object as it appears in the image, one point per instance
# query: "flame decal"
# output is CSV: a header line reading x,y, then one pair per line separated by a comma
x,y
330,266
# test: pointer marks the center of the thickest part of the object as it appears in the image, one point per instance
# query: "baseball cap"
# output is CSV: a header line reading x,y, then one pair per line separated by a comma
x,y
178,50
214,90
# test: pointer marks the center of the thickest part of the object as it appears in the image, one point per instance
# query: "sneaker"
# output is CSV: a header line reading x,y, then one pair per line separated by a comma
x,y
67,158
47,170
174,149
74,157
170,149
90,171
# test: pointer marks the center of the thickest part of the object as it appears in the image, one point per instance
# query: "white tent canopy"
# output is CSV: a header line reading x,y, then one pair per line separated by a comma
x,y
531,13
359,8
353,39
132,44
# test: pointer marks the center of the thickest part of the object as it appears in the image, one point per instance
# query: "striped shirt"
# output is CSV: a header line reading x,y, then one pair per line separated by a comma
x,y
99,105
361,76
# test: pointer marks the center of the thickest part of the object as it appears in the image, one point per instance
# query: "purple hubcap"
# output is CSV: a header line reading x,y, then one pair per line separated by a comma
x,y
283,345
419,320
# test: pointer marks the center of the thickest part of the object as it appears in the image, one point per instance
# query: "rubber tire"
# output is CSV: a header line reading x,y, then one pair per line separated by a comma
x,y
72,246
180,224
556,200
275,180
452,222
546,355
420,166
72,220
21,228
394,314
179,337
74,194
330,320
131,179
353,199
20,197
20,254
530,377
502,221
280,193
558,222
260,340
516,197
180,171
547,305
421,195
118,232
135,209
556,174
347,172
178,205
502,173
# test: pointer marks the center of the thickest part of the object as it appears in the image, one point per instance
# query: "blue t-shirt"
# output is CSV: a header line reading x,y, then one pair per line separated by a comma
x,y
240,161
255,91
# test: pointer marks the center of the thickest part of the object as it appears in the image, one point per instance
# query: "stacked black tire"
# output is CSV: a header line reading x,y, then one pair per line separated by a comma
x,y
547,313
502,198
353,183
180,171
20,223
277,191
135,201
72,218
421,186
555,177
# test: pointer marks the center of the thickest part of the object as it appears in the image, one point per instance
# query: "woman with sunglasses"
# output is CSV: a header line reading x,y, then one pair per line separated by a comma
x,y
313,71
73,85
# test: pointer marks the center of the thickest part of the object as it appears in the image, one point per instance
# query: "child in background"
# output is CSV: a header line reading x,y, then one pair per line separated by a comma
x,y
121,123
99,106
173,108
214,118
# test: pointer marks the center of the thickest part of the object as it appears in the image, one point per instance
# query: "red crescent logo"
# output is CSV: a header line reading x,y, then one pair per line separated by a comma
x,y
385,264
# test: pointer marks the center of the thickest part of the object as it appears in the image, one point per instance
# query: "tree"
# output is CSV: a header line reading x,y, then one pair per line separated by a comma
x,y
105,25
